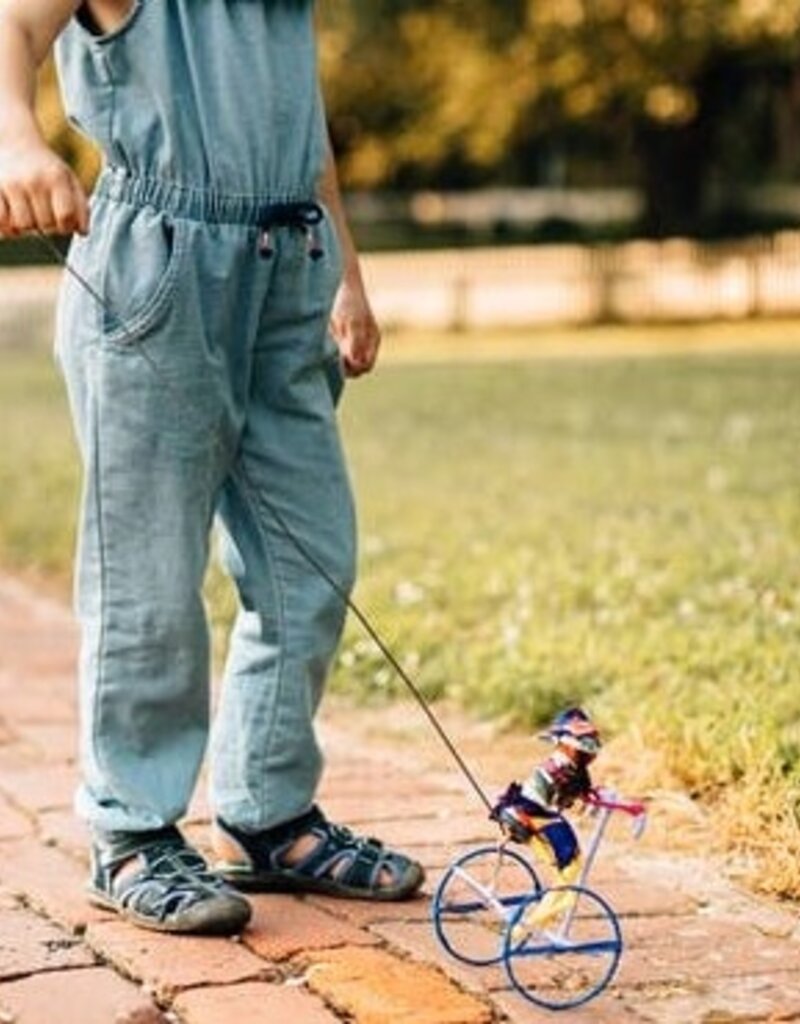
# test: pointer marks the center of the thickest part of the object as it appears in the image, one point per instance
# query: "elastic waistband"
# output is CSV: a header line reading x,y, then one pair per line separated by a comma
x,y
193,203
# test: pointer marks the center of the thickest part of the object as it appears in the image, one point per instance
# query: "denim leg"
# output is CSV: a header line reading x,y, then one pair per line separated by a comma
x,y
267,762
146,411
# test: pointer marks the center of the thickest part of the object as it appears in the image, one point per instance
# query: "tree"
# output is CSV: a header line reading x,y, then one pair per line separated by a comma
x,y
412,87
670,72
417,88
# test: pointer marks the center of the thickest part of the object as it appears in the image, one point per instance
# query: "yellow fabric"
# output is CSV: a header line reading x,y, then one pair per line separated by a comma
x,y
553,905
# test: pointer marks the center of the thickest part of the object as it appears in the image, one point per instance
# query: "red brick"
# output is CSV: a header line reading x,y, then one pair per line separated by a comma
x,y
438,856
410,832
391,806
363,913
44,619
52,669
27,610
373,987
757,998
13,823
167,964
28,944
94,996
39,789
419,941
253,1003
51,881
17,755
63,828
364,780
607,1009
26,704
285,925
686,951
349,775
680,967
631,898
54,742
7,734
8,901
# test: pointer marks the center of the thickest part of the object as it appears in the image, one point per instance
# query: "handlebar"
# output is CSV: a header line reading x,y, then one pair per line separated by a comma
x,y
607,800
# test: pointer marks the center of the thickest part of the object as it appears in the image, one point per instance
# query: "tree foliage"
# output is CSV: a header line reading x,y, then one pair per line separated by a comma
x,y
413,81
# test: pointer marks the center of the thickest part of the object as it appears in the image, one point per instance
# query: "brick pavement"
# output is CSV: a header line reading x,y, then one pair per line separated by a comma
x,y
698,950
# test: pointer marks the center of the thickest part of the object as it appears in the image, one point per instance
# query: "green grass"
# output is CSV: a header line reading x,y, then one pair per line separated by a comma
x,y
622,532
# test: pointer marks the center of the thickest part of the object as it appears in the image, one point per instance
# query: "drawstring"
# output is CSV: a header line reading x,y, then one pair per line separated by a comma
x,y
305,216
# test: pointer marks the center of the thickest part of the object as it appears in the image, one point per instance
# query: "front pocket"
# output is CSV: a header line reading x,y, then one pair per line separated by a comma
x,y
145,256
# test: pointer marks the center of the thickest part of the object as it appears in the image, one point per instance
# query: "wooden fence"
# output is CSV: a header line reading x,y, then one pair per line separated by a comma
x,y
566,284
633,282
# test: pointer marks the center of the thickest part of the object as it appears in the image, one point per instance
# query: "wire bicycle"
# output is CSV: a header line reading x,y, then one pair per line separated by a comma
x,y
559,945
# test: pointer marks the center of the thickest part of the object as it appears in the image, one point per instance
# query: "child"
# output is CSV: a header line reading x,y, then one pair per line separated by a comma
x,y
194,340
533,813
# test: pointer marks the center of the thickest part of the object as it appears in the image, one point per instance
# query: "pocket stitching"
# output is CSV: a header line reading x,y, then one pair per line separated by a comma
x,y
131,329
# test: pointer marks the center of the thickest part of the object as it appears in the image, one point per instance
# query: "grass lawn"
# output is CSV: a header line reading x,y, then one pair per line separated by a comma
x,y
620,531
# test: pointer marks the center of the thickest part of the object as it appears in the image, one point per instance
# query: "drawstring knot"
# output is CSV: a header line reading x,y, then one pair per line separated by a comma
x,y
306,216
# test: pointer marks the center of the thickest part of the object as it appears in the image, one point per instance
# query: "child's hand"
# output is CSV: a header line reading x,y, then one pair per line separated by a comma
x,y
354,327
38,192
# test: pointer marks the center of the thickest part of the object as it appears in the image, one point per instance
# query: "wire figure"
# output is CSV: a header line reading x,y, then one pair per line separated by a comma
x,y
533,813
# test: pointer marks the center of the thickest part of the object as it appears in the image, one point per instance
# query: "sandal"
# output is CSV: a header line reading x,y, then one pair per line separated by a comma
x,y
339,864
157,881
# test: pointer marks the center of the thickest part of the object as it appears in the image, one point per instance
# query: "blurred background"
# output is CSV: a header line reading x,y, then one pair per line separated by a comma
x,y
574,124
624,118
577,469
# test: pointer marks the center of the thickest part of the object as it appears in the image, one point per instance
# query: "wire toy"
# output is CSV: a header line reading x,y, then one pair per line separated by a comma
x,y
559,945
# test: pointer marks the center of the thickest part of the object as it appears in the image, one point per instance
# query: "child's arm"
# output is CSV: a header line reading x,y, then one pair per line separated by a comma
x,y
37,189
354,325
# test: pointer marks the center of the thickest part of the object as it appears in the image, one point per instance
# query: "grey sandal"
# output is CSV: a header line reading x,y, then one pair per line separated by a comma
x,y
169,890
340,864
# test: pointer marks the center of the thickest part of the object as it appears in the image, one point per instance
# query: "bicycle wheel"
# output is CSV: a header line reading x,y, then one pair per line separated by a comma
x,y
475,900
562,947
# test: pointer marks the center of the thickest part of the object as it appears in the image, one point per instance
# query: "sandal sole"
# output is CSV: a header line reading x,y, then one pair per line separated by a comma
x,y
280,881
231,924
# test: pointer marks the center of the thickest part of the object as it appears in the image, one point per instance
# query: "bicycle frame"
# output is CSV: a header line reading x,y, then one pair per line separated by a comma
x,y
485,893
607,803
579,934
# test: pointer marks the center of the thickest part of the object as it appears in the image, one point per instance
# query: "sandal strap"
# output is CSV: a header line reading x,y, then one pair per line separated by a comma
x,y
171,878
338,861
355,861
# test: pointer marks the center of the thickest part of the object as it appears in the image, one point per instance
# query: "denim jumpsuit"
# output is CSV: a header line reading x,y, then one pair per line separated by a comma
x,y
203,384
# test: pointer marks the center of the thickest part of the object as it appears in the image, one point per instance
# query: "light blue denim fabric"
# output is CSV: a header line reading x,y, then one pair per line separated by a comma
x,y
204,386
220,94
